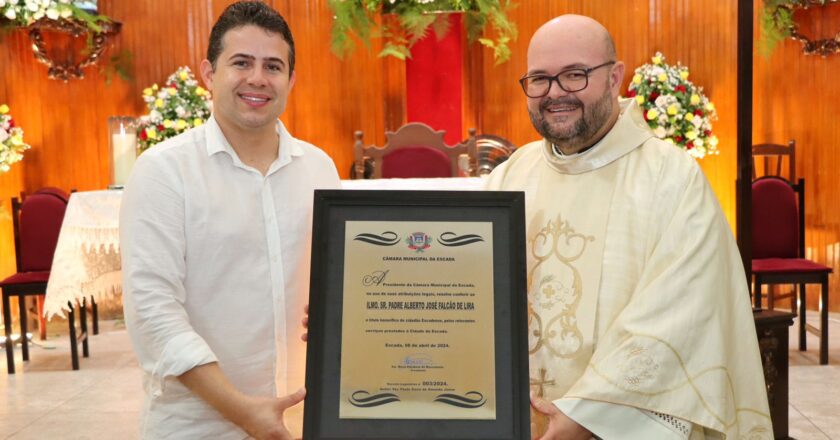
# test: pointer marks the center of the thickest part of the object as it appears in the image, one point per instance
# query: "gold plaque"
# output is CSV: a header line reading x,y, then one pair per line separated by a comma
x,y
417,336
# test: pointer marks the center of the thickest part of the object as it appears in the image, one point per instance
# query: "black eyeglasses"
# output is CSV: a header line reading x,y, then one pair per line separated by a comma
x,y
572,80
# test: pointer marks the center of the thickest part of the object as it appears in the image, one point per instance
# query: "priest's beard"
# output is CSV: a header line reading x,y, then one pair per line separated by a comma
x,y
581,135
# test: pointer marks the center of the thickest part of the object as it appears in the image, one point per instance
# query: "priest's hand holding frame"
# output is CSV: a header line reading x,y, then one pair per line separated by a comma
x,y
560,426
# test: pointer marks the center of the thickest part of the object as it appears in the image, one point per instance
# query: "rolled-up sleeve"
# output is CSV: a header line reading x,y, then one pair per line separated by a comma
x,y
152,241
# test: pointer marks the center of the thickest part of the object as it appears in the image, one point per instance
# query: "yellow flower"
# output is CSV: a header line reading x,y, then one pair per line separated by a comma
x,y
151,133
640,99
183,75
167,123
17,140
172,91
684,75
672,109
154,87
669,140
713,141
180,124
662,77
691,135
147,91
4,109
200,91
710,107
689,117
652,114
197,122
657,59
637,79
159,103
695,100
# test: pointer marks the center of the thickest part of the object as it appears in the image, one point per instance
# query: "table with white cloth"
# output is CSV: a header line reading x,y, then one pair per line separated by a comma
x,y
86,263
431,184
87,257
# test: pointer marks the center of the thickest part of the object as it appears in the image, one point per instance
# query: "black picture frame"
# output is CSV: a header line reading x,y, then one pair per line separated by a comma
x,y
332,208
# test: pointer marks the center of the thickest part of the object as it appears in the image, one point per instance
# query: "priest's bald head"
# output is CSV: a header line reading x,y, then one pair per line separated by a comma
x,y
573,82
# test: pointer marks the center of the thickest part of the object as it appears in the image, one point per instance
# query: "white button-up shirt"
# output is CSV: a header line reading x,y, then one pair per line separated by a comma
x,y
216,268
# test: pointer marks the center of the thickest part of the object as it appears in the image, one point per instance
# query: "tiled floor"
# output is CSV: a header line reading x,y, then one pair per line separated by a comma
x,y
46,399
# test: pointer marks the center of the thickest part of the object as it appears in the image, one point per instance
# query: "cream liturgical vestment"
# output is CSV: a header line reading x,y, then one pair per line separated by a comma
x,y
637,295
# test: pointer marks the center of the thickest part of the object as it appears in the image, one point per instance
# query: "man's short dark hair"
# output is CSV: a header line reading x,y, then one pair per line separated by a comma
x,y
249,13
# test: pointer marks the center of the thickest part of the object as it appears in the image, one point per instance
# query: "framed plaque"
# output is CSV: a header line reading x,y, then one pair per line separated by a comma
x,y
418,311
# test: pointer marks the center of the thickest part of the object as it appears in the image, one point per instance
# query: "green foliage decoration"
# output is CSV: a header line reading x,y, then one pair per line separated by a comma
x,y
777,21
402,23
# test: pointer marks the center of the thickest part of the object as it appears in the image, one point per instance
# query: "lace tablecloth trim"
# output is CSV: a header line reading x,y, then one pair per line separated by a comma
x,y
107,239
104,287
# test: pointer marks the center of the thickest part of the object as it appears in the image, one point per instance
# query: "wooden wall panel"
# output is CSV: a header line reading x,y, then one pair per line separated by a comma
x,y
798,97
794,95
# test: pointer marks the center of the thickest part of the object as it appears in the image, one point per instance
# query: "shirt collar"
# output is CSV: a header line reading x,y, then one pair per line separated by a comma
x,y
629,132
216,143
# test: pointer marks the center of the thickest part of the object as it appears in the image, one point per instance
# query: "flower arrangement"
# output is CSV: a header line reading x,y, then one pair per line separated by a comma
x,y
177,106
26,12
675,108
11,140
409,21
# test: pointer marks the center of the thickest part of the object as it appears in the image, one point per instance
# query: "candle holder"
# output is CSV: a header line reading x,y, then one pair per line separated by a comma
x,y
122,141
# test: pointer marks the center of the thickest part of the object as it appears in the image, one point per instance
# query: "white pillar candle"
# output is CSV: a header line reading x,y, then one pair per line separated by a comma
x,y
124,153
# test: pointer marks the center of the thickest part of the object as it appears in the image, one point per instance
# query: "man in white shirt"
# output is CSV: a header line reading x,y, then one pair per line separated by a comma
x,y
215,235
640,324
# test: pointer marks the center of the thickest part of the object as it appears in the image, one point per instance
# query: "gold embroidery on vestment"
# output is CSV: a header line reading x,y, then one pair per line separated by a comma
x,y
558,294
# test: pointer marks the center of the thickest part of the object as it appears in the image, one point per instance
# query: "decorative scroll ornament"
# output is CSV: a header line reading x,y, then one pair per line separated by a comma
x,y
67,69
778,24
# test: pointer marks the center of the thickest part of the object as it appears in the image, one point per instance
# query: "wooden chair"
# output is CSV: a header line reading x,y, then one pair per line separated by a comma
x,y
778,245
491,151
770,159
37,221
414,150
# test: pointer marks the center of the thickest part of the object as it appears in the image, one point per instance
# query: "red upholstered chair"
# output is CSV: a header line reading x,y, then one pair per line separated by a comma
x,y
778,245
37,222
57,192
780,161
415,150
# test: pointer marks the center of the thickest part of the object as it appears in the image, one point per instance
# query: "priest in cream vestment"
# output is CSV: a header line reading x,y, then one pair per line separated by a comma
x,y
640,323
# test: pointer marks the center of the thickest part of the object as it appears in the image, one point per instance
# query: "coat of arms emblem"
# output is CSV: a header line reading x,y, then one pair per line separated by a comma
x,y
418,241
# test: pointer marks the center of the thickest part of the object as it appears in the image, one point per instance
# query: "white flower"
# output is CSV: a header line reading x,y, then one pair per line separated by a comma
x,y
2,3
661,101
660,132
10,14
52,14
3,135
66,12
697,122
180,111
32,5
